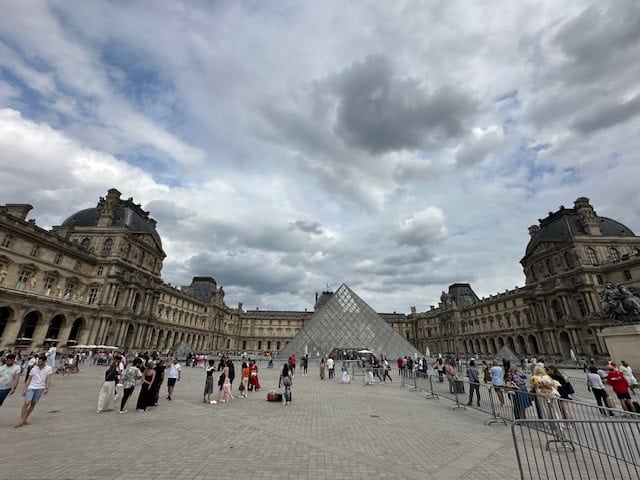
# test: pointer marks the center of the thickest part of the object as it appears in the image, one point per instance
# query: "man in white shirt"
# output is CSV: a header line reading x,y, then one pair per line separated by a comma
x,y
51,356
175,370
37,385
331,367
9,377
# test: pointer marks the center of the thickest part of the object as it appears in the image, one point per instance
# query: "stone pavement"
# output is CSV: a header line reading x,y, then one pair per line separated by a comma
x,y
329,431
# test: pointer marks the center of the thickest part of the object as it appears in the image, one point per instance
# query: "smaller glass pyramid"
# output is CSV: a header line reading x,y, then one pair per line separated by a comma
x,y
346,322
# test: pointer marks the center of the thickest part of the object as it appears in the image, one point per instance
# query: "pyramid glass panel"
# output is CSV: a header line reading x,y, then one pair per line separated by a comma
x,y
346,322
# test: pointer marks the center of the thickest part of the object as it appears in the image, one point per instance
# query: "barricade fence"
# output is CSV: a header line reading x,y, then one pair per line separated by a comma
x,y
577,449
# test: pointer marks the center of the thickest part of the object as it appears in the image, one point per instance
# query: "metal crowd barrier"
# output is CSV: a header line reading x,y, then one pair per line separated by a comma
x,y
577,449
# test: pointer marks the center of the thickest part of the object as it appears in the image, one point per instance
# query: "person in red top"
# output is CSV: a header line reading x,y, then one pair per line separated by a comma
x,y
620,386
399,363
293,365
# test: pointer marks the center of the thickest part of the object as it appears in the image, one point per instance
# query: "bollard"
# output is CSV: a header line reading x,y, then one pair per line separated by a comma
x,y
431,395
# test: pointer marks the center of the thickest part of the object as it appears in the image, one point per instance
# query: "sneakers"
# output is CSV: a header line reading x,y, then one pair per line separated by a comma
x,y
213,402
169,397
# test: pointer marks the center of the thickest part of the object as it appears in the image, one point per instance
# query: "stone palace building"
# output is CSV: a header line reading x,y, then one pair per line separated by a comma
x,y
96,279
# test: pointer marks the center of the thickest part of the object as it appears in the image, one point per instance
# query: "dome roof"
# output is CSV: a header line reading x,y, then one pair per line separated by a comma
x,y
126,214
565,224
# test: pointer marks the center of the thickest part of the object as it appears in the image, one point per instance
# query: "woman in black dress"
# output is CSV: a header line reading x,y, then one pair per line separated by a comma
x,y
145,398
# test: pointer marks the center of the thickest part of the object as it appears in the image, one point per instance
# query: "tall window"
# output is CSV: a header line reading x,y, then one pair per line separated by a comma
x,y
58,259
93,295
568,260
627,275
100,271
35,250
550,268
614,255
23,278
69,289
77,265
6,242
48,284
85,243
141,259
591,255
557,309
106,247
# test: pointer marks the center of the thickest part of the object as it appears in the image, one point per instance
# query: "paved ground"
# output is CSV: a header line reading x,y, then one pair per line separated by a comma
x,y
329,431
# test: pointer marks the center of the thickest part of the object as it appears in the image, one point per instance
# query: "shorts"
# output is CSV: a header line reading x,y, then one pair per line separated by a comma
x,y
4,393
171,382
34,395
623,396
498,388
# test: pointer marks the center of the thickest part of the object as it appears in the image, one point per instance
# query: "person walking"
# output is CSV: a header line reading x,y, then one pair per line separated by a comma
x,y
254,381
387,369
331,367
497,380
474,382
620,386
37,385
322,366
9,377
157,381
130,378
594,383
305,364
450,371
244,379
285,381
628,375
51,356
107,393
175,372
224,383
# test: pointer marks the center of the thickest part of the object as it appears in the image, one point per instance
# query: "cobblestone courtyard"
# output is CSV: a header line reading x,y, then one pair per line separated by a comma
x,y
329,431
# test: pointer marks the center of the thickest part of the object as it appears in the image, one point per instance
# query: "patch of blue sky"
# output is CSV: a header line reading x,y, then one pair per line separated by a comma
x,y
160,166
30,102
511,95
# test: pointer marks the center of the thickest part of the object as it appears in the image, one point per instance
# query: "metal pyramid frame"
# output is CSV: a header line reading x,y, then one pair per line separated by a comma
x,y
345,321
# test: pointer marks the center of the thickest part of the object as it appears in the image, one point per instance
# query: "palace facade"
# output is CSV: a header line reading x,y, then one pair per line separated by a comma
x,y
96,280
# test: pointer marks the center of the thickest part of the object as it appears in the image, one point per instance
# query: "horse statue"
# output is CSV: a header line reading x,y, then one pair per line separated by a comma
x,y
619,303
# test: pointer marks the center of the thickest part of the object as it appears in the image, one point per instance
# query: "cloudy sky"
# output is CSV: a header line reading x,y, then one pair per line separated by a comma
x,y
284,146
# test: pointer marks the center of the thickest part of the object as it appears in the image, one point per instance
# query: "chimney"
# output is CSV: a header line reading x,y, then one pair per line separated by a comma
x,y
108,208
19,210
587,216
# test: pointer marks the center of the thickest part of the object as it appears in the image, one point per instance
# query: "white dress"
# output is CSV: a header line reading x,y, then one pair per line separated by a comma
x,y
627,373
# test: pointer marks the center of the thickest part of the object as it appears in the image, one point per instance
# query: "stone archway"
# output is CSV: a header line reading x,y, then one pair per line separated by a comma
x,y
5,315
564,343
74,334
55,325
533,344
28,328
511,344
492,344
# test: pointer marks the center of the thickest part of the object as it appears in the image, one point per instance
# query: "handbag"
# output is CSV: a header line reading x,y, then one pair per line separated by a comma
x,y
241,387
569,388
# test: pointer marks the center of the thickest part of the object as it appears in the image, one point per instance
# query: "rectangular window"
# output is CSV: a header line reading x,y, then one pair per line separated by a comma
x,y
47,285
58,259
68,290
23,278
35,250
627,275
77,265
93,295
6,242
583,310
100,271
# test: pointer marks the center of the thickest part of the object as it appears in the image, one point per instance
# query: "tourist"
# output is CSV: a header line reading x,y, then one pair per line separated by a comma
x,y
157,381
620,386
387,369
224,384
594,383
486,376
625,369
51,356
565,390
9,376
399,364
108,390
450,371
254,382
145,397
305,364
345,373
37,385
474,382
546,390
331,367
322,366
130,378
440,367
285,381
244,379
175,371
521,397
208,381
293,365
497,380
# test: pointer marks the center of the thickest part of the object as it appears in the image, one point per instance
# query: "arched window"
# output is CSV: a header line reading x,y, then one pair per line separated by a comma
x,y
550,268
557,309
568,260
106,247
614,255
85,243
591,255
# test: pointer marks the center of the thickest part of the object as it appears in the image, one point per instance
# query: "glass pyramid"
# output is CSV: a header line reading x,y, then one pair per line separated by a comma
x,y
346,322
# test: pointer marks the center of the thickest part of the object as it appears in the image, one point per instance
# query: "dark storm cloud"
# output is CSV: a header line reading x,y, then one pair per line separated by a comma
x,y
307,227
379,112
613,39
607,116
